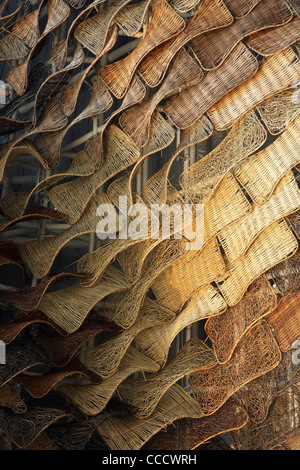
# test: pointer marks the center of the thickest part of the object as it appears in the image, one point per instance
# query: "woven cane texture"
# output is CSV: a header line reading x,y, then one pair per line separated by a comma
x,y
260,173
183,6
276,74
156,341
201,179
227,330
132,433
190,104
294,4
210,15
256,354
131,17
212,48
275,244
277,111
190,433
105,358
285,276
144,393
92,398
27,28
191,271
164,24
241,8
238,237
276,39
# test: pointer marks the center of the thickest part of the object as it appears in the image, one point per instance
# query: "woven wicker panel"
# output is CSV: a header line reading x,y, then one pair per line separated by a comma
x,y
237,238
27,28
294,4
132,433
273,40
156,341
286,276
272,246
184,71
74,196
69,307
61,348
155,189
10,398
39,254
130,18
257,395
260,173
240,8
276,74
12,48
190,433
285,322
293,442
190,104
202,178
144,393
210,15
226,331
91,399
36,213
275,429
105,358
212,48
176,284
256,354
164,24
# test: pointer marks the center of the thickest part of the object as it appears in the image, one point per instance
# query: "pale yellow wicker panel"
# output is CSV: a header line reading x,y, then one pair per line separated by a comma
x,y
201,179
144,393
156,341
92,398
132,433
105,358
195,269
237,238
261,172
272,246
277,73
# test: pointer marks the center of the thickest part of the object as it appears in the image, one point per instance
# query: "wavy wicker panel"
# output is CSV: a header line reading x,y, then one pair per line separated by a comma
x,y
190,433
132,433
272,246
212,48
277,73
238,237
226,331
286,276
69,307
260,173
202,178
164,24
256,354
131,17
240,8
105,358
91,399
210,15
156,341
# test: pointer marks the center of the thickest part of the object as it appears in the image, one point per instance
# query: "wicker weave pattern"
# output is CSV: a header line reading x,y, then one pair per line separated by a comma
x,y
276,74
255,355
261,173
240,8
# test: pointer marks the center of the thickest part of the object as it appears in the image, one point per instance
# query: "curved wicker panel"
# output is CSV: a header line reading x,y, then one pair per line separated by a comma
x,y
164,24
260,173
10,398
272,246
273,40
210,15
227,330
156,341
91,399
183,71
286,276
132,433
190,104
256,354
238,237
27,28
130,18
202,178
144,393
294,4
105,358
212,48
276,74
190,433
240,8
191,271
